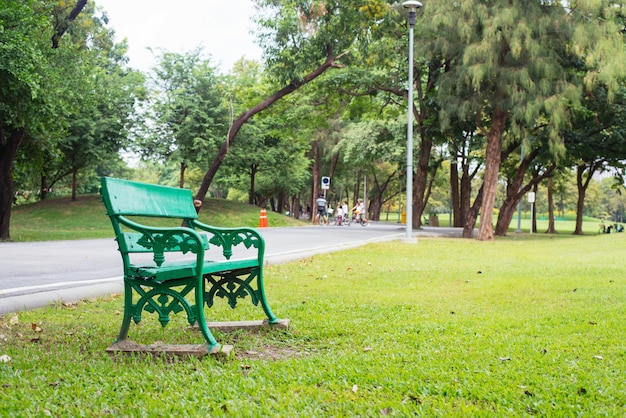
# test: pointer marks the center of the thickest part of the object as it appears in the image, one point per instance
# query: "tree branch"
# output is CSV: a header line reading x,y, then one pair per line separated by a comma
x,y
63,25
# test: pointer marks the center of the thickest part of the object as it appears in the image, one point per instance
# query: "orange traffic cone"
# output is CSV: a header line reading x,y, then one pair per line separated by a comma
x,y
263,219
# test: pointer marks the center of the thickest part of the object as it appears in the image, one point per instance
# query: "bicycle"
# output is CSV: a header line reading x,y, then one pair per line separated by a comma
x,y
344,221
359,220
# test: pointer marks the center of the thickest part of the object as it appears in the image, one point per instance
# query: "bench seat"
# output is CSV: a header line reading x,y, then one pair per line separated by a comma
x,y
185,268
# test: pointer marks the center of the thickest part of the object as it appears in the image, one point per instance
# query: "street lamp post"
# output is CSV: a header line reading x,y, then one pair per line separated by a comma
x,y
412,6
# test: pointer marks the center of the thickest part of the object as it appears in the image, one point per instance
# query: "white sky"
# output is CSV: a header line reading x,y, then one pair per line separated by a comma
x,y
221,27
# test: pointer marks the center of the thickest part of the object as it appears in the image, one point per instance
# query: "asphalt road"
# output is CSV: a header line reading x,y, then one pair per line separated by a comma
x,y
38,273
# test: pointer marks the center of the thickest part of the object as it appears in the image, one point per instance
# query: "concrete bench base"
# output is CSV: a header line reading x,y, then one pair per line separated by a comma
x,y
128,347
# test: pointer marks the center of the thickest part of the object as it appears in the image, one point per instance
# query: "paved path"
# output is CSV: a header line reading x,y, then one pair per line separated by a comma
x,y
39,273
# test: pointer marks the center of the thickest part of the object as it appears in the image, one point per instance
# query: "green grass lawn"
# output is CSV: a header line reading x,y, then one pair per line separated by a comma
x,y
522,326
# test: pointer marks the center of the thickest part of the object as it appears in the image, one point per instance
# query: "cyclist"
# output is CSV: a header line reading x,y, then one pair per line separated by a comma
x,y
339,219
321,208
359,210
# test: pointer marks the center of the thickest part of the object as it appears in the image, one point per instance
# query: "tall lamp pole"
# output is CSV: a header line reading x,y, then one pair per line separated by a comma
x,y
412,6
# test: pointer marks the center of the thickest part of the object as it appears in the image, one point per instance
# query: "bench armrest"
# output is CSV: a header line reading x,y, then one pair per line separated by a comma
x,y
165,239
227,238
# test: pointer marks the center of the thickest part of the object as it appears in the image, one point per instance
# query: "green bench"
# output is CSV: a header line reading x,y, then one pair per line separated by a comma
x,y
187,280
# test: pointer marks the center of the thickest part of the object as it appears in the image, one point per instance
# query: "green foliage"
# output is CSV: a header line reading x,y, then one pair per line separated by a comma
x,y
27,79
189,121
268,158
529,326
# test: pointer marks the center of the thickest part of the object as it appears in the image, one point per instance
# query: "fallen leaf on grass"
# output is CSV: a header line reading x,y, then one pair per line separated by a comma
x,y
36,328
14,320
413,399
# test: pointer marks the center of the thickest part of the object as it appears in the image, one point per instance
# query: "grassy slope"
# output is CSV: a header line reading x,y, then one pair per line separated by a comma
x,y
61,219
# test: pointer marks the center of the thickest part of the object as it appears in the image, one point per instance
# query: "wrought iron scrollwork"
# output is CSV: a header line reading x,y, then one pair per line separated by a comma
x,y
229,239
163,300
159,243
232,287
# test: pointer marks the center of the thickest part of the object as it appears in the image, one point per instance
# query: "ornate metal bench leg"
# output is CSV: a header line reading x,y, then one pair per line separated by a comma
x,y
128,302
204,329
264,304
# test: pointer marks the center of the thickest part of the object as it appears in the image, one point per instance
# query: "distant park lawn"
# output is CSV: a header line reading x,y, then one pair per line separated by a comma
x,y
522,326
63,219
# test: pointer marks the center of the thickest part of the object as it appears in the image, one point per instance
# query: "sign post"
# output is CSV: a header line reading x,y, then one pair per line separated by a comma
x,y
325,185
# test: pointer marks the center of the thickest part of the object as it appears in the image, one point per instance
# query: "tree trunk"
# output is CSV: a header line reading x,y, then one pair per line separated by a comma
x,y
420,181
469,222
455,201
181,179
43,187
316,179
492,169
533,220
280,202
514,192
245,116
551,224
333,164
8,152
378,196
253,170
74,184
582,184
466,198
505,215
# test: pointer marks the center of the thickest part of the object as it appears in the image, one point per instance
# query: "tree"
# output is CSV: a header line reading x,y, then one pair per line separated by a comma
x,y
506,64
537,157
301,41
596,141
33,98
101,126
189,117
372,146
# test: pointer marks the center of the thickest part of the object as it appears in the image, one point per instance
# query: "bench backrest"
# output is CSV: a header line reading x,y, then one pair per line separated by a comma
x,y
130,198
124,198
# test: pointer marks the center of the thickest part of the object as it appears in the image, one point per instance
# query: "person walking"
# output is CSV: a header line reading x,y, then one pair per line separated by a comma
x,y
320,202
